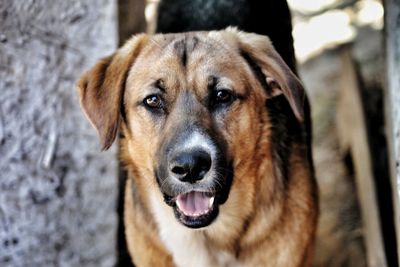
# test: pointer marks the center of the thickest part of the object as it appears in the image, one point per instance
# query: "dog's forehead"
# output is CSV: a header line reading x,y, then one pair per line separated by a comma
x,y
193,49
191,41
190,58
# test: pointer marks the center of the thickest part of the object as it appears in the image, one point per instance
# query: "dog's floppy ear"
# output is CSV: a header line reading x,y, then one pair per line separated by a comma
x,y
278,76
101,89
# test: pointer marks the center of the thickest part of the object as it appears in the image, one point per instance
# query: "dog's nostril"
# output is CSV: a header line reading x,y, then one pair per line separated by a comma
x,y
191,166
179,170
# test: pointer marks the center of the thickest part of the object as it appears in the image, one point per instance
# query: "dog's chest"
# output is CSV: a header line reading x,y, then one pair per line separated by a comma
x,y
188,247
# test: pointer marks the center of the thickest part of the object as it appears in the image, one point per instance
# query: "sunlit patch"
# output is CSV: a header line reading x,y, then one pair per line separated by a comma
x,y
151,10
310,5
313,31
370,12
320,32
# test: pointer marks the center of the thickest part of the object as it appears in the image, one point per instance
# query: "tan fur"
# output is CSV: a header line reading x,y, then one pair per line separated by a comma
x,y
263,222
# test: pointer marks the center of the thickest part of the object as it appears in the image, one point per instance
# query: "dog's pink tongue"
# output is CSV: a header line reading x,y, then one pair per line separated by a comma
x,y
194,203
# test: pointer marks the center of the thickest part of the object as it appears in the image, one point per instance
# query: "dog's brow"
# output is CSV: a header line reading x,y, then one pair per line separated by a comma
x,y
160,84
212,81
192,43
181,50
183,47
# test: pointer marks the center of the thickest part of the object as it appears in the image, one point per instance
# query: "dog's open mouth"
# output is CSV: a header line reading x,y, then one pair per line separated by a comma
x,y
194,203
196,209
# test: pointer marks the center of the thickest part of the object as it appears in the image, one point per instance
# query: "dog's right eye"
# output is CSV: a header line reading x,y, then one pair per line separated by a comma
x,y
222,98
153,102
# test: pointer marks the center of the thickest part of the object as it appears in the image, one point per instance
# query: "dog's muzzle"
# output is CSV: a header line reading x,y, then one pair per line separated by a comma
x,y
195,178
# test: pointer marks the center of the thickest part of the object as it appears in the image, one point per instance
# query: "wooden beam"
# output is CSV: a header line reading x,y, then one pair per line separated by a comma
x,y
353,138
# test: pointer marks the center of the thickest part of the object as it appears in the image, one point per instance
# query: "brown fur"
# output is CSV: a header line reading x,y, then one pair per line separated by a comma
x,y
270,216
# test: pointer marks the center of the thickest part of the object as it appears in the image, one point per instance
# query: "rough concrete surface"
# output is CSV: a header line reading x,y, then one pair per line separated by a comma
x,y
393,100
57,192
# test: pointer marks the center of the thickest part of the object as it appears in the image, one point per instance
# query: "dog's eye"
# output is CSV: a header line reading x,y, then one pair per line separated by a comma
x,y
153,102
223,97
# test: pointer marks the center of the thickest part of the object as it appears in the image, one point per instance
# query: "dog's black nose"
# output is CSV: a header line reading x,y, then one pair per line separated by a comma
x,y
190,166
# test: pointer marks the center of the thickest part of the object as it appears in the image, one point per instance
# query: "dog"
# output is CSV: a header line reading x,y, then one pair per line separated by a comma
x,y
216,145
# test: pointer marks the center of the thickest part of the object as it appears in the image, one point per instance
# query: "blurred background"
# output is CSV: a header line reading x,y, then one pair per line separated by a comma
x,y
60,201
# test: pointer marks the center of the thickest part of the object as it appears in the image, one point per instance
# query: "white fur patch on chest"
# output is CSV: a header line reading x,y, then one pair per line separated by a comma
x,y
188,247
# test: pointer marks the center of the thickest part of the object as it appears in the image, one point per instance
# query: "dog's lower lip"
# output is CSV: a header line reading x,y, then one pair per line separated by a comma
x,y
195,203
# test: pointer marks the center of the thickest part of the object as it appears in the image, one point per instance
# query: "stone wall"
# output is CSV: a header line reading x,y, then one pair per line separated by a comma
x,y
57,192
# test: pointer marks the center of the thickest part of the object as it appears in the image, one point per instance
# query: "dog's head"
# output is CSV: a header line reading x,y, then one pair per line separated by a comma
x,y
192,108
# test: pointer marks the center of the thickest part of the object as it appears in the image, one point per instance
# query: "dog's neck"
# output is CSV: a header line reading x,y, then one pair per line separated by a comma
x,y
224,243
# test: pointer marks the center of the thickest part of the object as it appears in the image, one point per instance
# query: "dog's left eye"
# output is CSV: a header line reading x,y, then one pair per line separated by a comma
x,y
153,102
223,96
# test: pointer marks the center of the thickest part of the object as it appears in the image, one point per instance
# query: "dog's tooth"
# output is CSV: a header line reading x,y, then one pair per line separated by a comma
x,y
178,203
211,202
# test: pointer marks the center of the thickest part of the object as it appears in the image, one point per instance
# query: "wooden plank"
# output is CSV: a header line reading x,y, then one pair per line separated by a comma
x,y
392,19
131,19
352,132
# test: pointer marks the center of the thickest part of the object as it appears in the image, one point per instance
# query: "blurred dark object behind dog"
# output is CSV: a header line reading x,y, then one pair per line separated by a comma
x,y
266,17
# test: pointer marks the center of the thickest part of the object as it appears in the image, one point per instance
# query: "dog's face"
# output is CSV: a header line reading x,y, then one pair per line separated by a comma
x,y
192,108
